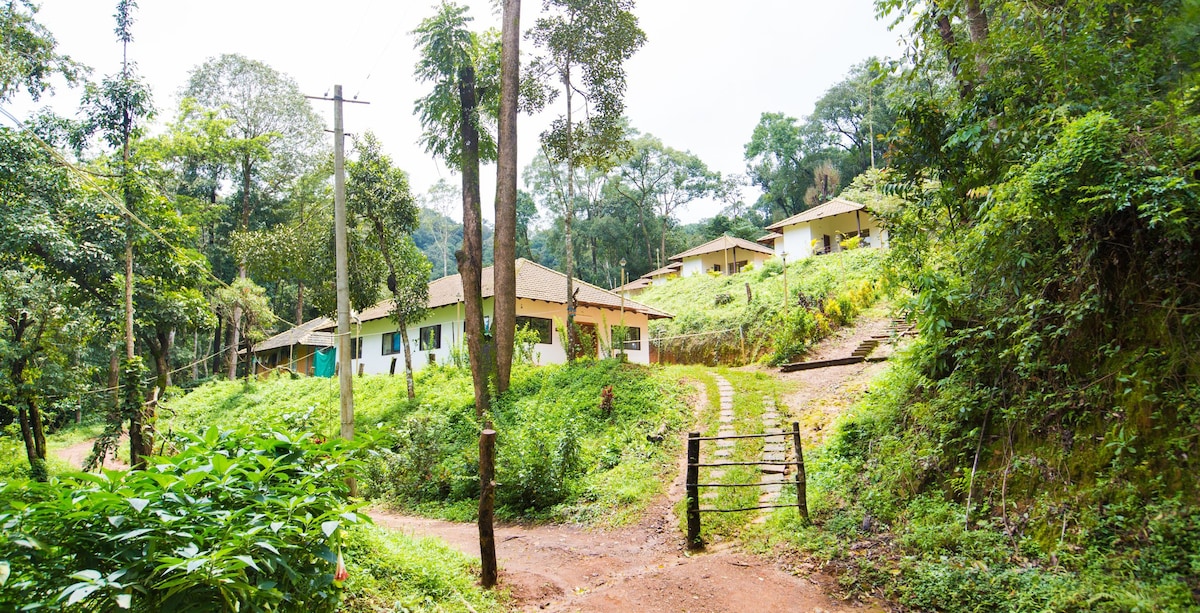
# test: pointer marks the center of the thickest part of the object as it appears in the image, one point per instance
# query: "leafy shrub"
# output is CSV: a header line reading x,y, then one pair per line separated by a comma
x,y
234,520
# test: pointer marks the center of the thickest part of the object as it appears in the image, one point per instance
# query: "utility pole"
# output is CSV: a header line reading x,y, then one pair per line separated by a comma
x,y
344,346
345,374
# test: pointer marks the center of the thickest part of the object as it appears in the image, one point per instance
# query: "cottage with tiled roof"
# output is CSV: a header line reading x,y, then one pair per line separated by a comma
x,y
541,306
294,349
726,255
821,230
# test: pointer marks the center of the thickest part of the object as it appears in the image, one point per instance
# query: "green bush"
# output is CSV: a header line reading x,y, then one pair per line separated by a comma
x,y
234,520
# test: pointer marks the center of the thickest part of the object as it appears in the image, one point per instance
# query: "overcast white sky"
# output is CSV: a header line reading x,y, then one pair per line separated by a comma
x,y
707,71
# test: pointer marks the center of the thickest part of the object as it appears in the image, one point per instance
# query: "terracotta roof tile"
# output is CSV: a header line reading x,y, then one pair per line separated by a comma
x,y
534,282
837,206
721,244
303,334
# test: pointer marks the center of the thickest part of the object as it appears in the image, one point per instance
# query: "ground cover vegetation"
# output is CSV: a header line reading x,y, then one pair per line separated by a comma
x,y
1034,450
745,317
563,451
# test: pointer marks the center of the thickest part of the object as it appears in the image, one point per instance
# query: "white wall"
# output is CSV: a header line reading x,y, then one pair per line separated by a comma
x,y
796,242
451,319
797,239
704,263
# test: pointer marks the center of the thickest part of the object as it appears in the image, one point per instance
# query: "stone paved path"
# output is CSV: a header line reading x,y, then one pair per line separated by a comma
x,y
774,447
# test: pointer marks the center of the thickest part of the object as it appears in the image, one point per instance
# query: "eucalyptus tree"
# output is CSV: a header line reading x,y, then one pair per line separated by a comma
x,y
584,44
504,316
378,192
462,68
273,137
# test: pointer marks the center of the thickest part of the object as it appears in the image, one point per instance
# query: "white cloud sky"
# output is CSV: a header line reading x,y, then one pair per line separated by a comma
x,y
706,73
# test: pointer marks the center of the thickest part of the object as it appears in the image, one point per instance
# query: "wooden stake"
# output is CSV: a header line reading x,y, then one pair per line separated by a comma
x,y
801,477
487,502
693,491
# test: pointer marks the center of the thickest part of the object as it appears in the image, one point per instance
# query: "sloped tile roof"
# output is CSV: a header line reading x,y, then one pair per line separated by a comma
x,y
721,244
534,282
671,268
636,284
303,334
837,206
770,236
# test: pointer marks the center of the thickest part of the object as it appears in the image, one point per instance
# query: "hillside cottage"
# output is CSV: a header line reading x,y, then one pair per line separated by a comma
x,y
725,255
820,230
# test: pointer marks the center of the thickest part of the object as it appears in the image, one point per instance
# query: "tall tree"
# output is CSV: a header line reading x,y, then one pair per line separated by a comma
x,y
454,59
504,317
378,192
117,108
31,58
56,245
585,45
660,180
275,136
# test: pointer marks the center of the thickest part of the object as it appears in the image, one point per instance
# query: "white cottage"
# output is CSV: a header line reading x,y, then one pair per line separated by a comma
x,y
541,305
819,230
726,255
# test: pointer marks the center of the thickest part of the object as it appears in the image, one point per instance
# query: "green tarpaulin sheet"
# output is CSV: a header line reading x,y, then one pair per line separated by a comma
x,y
325,362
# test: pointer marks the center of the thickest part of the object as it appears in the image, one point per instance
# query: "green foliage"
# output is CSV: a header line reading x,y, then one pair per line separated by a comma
x,y
790,160
31,59
1033,449
714,330
391,571
232,520
448,50
559,453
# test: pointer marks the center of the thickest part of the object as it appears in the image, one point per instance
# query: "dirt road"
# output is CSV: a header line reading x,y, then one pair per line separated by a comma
x,y
645,567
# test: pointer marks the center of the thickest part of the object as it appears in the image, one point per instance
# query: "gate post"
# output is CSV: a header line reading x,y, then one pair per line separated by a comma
x,y
693,491
801,477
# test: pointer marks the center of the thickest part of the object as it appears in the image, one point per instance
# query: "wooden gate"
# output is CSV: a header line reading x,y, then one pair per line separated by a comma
x,y
693,479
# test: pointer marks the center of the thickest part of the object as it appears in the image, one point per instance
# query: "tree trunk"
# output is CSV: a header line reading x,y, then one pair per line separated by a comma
x,y
235,326
114,379
408,371
232,339
27,412
299,302
504,316
977,27
470,258
217,354
568,217
161,349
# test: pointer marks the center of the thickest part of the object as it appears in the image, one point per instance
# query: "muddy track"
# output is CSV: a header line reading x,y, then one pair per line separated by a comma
x,y
645,567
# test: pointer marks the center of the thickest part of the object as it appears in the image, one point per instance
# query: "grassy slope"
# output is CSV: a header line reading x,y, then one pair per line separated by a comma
x,y
560,455
888,495
704,304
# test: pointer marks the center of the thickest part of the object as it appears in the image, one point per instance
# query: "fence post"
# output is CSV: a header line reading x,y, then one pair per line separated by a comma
x,y
801,477
487,502
693,491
